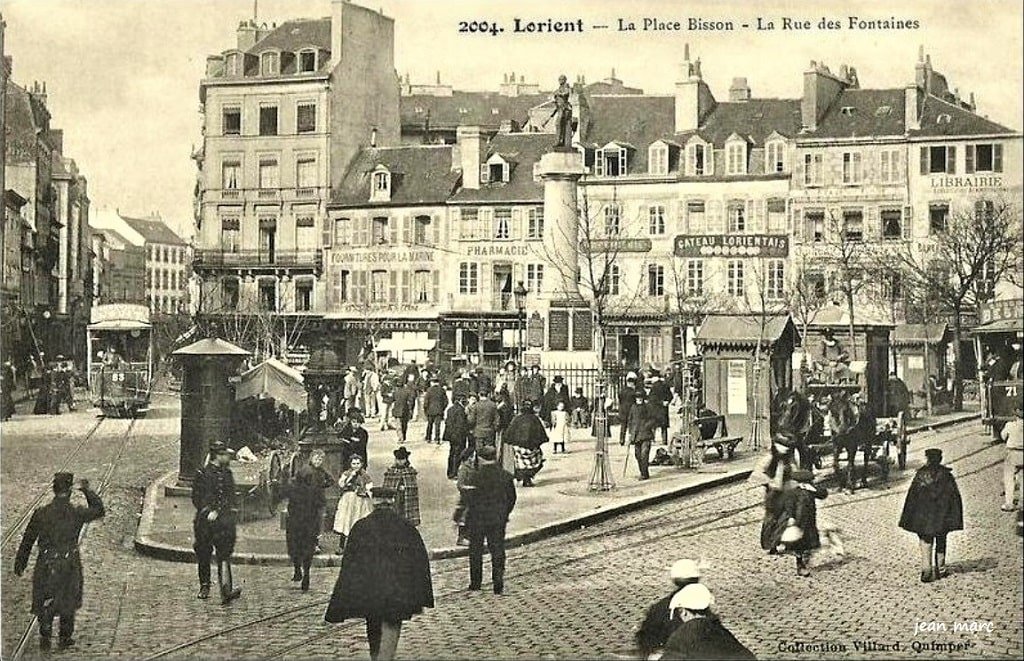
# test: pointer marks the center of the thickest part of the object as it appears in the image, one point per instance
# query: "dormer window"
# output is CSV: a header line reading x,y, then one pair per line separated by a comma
x,y
699,159
735,156
231,65
657,158
611,161
307,61
847,111
943,119
380,185
270,63
495,170
775,157
883,110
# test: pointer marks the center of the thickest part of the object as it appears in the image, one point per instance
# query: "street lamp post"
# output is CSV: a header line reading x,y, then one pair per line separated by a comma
x,y
520,295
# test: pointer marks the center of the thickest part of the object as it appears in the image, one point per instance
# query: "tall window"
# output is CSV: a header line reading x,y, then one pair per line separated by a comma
x,y
613,278
776,214
736,158
421,286
305,118
889,166
737,217
655,280
268,295
378,286
775,157
470,221
269,172
421,231
307,61
268,120
892,224
656,220
813,170
695,216
940,159
469,278
657,159
503,223
305,172
535,223
231,174
695,277
342,284
938,218
342,231
734,285
231,121
303,295
699,159
775,287
612,219
269,64
853,224
534,277
815,225
852,173
380,235
814,281
984,158
230,236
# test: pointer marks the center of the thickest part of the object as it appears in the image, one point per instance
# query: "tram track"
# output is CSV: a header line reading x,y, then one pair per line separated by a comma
x,y
694,526
104,482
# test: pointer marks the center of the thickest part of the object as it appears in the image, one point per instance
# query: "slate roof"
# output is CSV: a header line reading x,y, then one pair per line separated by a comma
x,y
154,231
292,36
484,109
419,175
755,119
522,150
861,112
636,120
20,125
961,121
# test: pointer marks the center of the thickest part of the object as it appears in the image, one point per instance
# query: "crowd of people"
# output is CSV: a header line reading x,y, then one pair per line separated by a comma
x,y
54,382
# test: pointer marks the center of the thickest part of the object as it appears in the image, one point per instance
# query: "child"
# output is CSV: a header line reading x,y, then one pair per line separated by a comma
x,y
559,428
800,536
580,409
402,478
355,501
932,510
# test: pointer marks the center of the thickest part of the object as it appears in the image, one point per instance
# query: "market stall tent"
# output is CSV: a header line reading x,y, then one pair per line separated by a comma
x,y
275,380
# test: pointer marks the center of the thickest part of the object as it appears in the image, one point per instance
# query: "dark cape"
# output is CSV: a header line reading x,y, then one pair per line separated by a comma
x,y
385,572
933,505
305,511
704,638
526,431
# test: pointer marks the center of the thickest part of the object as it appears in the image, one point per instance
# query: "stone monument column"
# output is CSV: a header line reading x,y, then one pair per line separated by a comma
x,y
561,170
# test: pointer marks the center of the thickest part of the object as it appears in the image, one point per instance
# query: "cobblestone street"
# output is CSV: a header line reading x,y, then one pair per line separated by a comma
x,y
575,595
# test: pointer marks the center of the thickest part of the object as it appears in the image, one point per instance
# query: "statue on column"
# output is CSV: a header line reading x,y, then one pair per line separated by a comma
x,y
563,115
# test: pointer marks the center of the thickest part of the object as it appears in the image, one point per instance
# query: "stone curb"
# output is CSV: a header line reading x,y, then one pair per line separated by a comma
x,y
148,547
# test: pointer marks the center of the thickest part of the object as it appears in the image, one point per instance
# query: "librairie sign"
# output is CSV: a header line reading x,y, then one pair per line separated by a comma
x,y
731,245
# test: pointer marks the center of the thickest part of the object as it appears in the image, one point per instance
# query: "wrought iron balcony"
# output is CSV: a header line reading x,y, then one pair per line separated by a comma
x,y
276,259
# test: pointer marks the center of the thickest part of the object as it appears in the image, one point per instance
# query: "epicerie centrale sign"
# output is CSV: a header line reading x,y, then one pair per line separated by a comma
x,y
731,245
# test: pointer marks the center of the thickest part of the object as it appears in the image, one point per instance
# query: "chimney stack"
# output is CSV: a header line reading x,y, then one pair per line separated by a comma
x,y
373,137
438,79
471,152
246,35
739,90
821,88
911,104
693,98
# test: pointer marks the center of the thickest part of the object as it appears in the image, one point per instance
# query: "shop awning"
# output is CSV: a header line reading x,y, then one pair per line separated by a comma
x,y
913,334
1001,326
120,324
395,345
744,330
276,380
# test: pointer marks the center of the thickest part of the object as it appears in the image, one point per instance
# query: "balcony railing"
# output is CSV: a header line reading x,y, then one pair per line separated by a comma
x,y
250,258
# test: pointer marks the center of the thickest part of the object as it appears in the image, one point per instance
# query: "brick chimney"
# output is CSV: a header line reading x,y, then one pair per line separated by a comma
x,y
694,100
821,89
246,35
912,107
739,90
470,143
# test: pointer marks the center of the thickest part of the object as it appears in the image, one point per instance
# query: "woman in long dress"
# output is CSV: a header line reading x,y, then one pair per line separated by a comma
x,y
355,502
526,434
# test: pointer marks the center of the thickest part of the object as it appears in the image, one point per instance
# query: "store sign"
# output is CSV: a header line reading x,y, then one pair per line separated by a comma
x,y
397,256
381,309
535,331
731,245
999,310
498,250
966,183
620,245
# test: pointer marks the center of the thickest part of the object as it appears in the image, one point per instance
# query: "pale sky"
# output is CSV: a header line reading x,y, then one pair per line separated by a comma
x,y
122,75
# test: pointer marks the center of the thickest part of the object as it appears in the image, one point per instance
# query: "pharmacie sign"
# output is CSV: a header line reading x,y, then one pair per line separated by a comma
x,y
731,245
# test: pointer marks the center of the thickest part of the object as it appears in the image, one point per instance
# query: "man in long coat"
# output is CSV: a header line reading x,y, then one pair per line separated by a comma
x,y
626,396
483,420
435,401
384,576
558,392
216,503
306,506
456,433
57,581
489,503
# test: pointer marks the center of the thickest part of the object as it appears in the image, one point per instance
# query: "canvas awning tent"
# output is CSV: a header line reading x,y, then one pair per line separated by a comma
x,y
273,379
919,334
396,345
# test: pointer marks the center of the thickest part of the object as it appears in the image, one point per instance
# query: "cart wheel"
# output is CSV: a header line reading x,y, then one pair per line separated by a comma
x,y
274,477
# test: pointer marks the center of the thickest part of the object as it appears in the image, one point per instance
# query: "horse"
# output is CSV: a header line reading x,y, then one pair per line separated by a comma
x,y
853,428
793,415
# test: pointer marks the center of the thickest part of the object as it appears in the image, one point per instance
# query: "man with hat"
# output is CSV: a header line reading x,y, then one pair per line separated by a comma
x,y
659,398
213,494
627,394
6,391
456,433
435,401
384,576
557,392
354,436
483,420
405,402
351,387
700,635
57,580
533,386
401,477
490,498
658,624
642,422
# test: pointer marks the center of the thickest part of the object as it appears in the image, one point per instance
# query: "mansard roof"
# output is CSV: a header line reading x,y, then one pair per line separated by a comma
x,y
858,113
523,150
419,175
484,109
962,122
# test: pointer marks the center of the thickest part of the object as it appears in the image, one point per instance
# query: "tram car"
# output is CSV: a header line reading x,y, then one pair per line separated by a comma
x,y
120,359
997,345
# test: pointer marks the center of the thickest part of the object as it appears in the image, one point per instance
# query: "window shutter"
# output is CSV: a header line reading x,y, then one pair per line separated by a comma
x,y
709,159
332,287
435,277
758,222
682,217
485,228
797,225
924,160
517,224
713,215
455,224
872,223
393,289
908,217
485,282
599,162
435,230
951,160
405,294
969,151
407,235
484,174
362,234
997,158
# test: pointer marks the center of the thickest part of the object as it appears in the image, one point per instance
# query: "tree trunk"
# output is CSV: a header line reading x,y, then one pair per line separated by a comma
x,y
849,311
958,378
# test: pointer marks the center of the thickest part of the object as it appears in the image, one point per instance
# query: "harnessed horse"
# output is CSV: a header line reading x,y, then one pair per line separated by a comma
x,y
794,416
853,428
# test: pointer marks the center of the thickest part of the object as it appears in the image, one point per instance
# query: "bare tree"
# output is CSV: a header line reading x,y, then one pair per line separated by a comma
x,y
692,302
960,268
805,299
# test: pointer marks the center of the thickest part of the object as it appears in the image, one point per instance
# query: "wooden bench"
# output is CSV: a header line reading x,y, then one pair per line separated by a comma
x,y
723,443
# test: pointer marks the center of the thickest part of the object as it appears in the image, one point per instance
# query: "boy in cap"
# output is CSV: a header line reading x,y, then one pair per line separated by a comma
x,y
658,624
932,510
384,576
699,635
213,494
401,477
57,578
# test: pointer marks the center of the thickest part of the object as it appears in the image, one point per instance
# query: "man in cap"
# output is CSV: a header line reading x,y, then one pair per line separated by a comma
x,y
435,401
401,477
405,402
213,494
490,498
384,576
700,635
456,432
483,420
658,625
57,577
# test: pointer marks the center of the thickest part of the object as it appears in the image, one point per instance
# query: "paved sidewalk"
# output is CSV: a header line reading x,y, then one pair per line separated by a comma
x,y
559,502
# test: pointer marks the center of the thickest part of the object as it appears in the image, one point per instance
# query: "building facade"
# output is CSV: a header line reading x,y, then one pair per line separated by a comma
x,y
122,271
168,262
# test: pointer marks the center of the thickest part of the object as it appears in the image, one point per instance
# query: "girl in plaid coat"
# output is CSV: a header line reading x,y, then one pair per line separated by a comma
x,y
401,477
